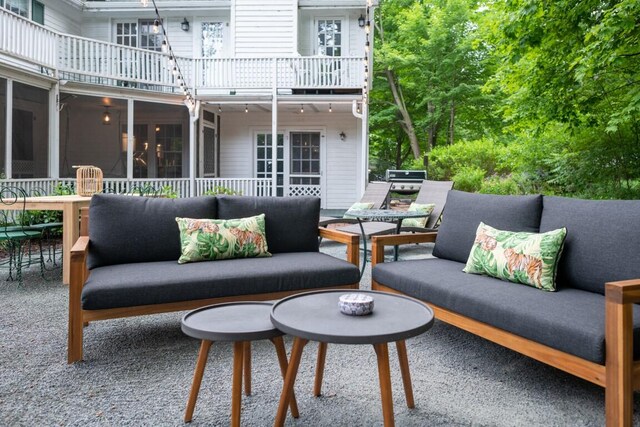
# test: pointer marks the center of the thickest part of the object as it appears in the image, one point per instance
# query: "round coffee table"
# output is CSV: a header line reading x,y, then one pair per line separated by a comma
x,y
240,323
315,316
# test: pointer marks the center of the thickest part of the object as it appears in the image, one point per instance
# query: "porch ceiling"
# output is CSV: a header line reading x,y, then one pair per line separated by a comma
x,y
283,107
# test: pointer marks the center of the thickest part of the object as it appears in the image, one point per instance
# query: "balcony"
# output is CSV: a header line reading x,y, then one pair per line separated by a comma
x,y
79,59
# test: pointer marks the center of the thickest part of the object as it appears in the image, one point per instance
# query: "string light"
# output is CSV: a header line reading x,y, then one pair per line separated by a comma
x,y
301,108
219,109
164,46
330,110
145,3
246,108
156,26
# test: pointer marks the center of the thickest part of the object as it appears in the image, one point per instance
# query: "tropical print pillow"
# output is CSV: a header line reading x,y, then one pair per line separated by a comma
x,y
422,208
519,257
360,206
212,239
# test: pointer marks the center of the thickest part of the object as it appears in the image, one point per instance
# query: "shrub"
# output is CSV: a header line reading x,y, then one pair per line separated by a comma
x,y
469,178
221,189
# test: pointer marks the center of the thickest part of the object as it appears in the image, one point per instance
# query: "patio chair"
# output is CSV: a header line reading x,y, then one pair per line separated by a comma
x,y
375,193
430,192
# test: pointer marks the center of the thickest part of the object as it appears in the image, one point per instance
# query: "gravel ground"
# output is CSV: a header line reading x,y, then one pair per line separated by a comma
x,y
138,371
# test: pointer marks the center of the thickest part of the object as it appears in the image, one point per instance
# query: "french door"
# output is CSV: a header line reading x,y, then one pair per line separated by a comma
x,y
299,162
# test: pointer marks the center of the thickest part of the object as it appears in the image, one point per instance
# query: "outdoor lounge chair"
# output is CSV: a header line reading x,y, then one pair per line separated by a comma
x,y
430,192
376,193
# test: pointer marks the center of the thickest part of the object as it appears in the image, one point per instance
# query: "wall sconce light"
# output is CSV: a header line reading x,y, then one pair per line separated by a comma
x,y
342,136
106,116
361,21
184,25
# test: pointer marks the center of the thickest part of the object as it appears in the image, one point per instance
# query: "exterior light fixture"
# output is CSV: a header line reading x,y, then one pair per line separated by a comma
x,y
156,26
330,109
367,45
367,28
164,46
145,3
106,116
246,108
172,61
361,21
219,109
301,108
342,136
184,25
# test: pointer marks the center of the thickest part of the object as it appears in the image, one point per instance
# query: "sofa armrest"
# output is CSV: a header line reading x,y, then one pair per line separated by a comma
x,y
619,299
351,240
379,242
78,277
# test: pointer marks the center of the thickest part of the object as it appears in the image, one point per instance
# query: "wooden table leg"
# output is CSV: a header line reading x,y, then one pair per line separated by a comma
x,y
197,379
282,361
406,375
236,389
70,233
247,368
382,351
289,380
322,355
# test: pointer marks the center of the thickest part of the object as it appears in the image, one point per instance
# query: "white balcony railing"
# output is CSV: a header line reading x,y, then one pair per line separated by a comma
x,y
93,61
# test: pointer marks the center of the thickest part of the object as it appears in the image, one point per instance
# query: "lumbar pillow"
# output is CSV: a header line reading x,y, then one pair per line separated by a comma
x,y
519,257
211,239
360,206
422,208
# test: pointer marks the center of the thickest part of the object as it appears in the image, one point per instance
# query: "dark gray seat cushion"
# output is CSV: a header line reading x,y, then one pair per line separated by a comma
x,y
126,229
464,212
603,240
570,320
129,285
291,223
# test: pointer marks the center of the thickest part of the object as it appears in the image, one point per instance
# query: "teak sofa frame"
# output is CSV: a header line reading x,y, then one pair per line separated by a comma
x,y
620,375
79,318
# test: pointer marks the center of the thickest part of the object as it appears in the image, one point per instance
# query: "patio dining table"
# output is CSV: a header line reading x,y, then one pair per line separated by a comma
x,y
70,207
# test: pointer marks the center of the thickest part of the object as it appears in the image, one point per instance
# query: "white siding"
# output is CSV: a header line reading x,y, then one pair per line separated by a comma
x,y
264,28
307,31
59,16
96,28
237,150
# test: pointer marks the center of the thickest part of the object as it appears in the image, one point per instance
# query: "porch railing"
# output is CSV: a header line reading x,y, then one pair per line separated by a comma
x,y
93,61
181,186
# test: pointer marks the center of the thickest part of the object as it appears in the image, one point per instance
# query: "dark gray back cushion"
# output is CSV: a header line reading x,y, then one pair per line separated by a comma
x,y
603,240
464,212
125,229
291,222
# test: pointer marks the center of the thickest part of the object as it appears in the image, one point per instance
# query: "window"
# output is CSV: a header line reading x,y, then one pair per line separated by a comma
x,y
330,37
212,39
169,150
148,39
19,7
127,34
37,12
305,158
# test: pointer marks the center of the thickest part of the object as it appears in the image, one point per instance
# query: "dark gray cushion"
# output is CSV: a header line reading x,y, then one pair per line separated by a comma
x,y
570,320
167,281
603,240
464,212
127,229
291,223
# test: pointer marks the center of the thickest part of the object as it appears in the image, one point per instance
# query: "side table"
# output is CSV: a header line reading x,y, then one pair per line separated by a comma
x,y
315,316
240,323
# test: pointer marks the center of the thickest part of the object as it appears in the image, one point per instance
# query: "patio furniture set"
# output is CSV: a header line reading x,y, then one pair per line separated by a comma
x,y
126,265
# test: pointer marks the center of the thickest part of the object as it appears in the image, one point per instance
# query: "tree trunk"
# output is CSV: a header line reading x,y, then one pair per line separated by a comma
x,y
452,120
406,122
433,132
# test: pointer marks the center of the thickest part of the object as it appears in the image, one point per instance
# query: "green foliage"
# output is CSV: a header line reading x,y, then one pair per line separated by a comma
x,y
483,154
168,192
220,189
469,178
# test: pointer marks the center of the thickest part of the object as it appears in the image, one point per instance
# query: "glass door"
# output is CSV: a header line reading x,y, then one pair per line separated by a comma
x,y
304,164
264,160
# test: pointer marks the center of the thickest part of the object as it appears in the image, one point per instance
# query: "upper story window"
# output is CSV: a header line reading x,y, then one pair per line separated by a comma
x,y
212,39
329,37
138,34
25,8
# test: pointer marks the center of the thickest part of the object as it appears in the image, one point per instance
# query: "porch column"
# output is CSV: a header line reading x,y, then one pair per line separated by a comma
x,y
54,131
192,155
130,146
8,146
365,149
274,131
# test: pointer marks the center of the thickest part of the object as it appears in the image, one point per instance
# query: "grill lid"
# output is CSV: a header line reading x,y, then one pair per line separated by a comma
x,y
405,175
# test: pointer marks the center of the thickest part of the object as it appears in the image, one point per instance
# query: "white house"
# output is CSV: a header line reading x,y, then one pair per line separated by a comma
x,y
91,82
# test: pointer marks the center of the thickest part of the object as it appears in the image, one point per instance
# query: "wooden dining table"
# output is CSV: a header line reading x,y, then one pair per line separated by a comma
x,y
70,207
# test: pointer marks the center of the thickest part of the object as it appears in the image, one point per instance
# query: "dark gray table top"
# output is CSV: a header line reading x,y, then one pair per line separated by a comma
x,y
236,321
316,316
385,214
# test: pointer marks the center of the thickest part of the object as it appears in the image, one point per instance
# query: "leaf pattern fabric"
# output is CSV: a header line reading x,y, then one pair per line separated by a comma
x,y
213,239
519,257
359,206
422,208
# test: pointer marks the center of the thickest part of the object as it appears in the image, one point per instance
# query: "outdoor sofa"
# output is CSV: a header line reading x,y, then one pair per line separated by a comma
x,y
125,262
589,327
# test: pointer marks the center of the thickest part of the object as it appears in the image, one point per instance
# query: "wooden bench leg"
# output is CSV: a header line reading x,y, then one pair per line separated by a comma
x,y
236,389
197,379
322,355
384,372
289,380
404,370
619,364
284,365
247,368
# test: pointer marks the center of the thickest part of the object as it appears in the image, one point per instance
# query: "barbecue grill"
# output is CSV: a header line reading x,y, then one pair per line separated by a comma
x,y
405,181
